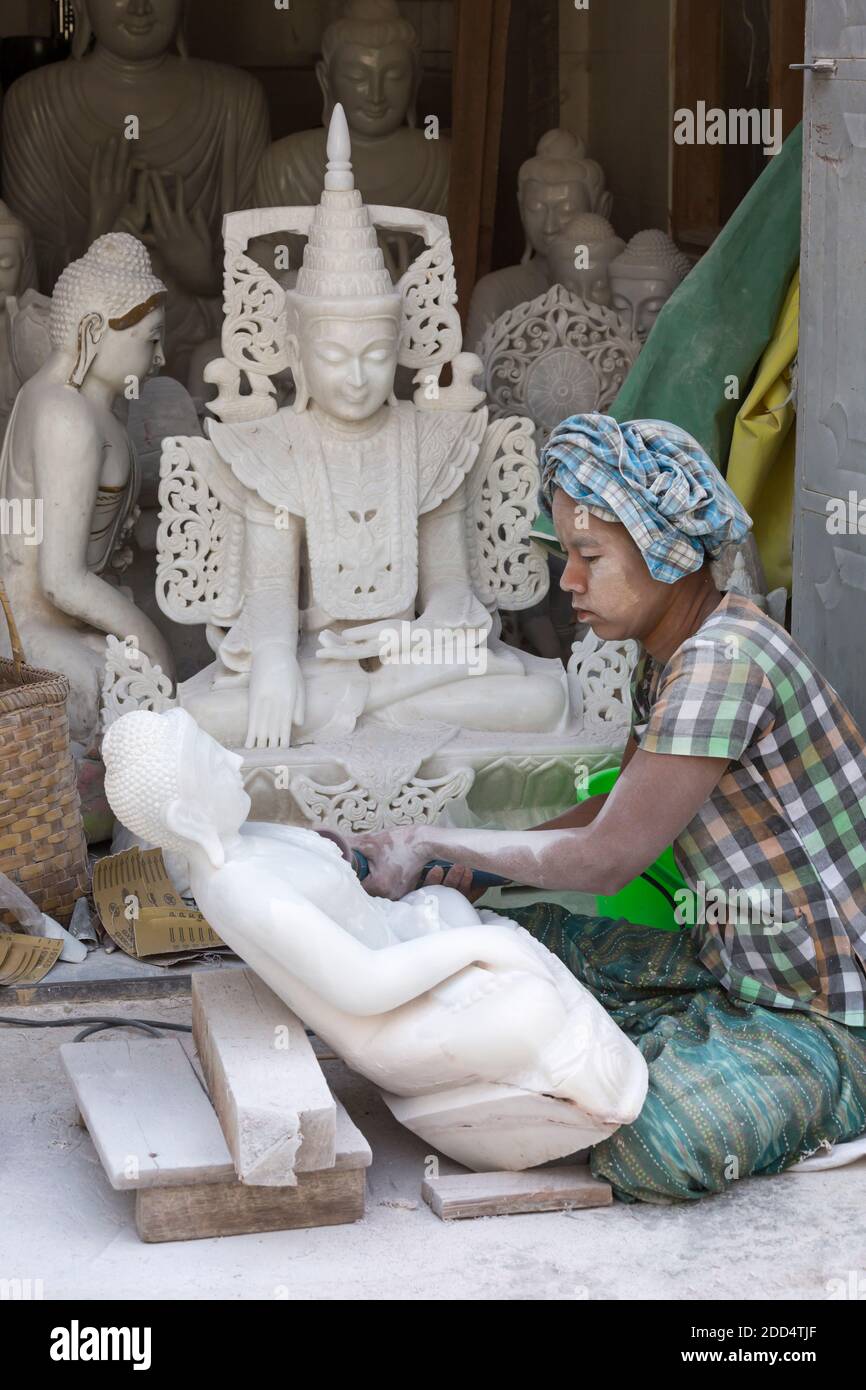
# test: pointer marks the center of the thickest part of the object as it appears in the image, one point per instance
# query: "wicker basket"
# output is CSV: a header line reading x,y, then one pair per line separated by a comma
x,y
42,845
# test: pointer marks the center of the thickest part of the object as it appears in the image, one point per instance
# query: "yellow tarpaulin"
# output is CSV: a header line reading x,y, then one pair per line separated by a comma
x,y
761,461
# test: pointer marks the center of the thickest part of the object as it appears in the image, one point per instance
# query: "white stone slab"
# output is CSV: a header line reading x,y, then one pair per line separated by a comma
x,y
276,1111
147,1114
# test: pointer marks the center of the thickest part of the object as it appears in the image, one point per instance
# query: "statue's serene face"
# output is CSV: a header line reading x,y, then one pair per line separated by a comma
x,y
11,261
639,302
131,353
547,207
374,85
349,364
135,29
219,771
591,282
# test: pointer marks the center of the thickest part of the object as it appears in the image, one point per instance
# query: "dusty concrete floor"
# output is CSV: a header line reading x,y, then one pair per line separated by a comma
x,y
783,1237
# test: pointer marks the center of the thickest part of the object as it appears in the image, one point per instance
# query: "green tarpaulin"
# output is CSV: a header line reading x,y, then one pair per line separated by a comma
x,y
718,322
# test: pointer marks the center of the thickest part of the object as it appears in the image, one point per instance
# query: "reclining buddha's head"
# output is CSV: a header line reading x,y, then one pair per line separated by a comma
x,y
344,315
171,783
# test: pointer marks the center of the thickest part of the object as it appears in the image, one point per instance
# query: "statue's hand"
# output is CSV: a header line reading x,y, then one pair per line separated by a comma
x,y
353,643
276,699
184,245
111,174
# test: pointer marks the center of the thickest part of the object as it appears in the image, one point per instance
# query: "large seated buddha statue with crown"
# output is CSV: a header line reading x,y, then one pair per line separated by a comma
x,y
349,552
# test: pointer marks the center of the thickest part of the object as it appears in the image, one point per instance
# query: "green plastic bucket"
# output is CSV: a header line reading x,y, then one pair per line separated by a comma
x,y
649,900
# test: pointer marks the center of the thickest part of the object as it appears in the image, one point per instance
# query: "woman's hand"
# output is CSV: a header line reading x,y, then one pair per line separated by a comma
x,y
459,876
396,858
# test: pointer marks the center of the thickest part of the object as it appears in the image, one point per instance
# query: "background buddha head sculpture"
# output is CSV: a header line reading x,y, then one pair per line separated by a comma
x,y
580,256
17,261
132,30
343,314
556,184
156,766
644,277
107,313
371,65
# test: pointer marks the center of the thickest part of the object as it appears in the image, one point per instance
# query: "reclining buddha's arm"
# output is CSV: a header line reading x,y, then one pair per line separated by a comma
x,y
345,974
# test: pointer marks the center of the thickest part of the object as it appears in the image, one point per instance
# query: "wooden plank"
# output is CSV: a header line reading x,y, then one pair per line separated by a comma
x,y
511,1194
276,1111
787,45
531,106
697,169
331,1198
478,87
149,1118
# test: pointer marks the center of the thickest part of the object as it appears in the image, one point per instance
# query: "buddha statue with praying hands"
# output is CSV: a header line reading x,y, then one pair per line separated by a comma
x,y
348,510
370,64
67,471
553,187
131,134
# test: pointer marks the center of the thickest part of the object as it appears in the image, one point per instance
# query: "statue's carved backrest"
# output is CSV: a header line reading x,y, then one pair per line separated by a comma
x,y
599,682
509,570
254,338
201,535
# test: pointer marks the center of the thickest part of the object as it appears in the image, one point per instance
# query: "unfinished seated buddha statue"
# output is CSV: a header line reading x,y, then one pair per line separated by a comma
x,y
481,1040
644,277
553,187
354,526
580,257
67,456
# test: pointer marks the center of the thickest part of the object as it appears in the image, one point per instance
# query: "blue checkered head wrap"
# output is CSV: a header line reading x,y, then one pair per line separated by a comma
x,y
655,479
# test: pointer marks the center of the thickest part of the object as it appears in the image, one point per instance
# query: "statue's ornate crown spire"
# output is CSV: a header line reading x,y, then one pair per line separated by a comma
x,y
339,175
342,258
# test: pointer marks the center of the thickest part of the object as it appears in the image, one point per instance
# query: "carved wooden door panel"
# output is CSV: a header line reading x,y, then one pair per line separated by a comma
x,y
829,559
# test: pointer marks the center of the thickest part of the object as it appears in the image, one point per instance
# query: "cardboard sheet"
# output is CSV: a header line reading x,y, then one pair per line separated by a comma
x,y
25,960
142,912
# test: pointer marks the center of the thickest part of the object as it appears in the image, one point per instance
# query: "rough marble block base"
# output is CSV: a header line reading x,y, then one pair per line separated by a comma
x,y
274,1105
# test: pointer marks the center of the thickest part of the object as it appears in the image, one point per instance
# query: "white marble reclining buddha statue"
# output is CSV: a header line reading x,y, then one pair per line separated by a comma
x,y
420,996
349,553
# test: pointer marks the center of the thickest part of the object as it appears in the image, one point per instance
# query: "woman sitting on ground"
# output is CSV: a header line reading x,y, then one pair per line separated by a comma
x,y
745,759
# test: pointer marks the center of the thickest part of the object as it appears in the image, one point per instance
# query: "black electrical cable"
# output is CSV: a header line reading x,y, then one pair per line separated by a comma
x,y
98,1023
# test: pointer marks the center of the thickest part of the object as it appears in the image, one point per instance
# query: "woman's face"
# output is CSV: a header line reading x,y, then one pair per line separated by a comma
x,y
611,588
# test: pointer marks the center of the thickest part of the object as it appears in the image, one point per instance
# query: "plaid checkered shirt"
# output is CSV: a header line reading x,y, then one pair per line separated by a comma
x,y
786,822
